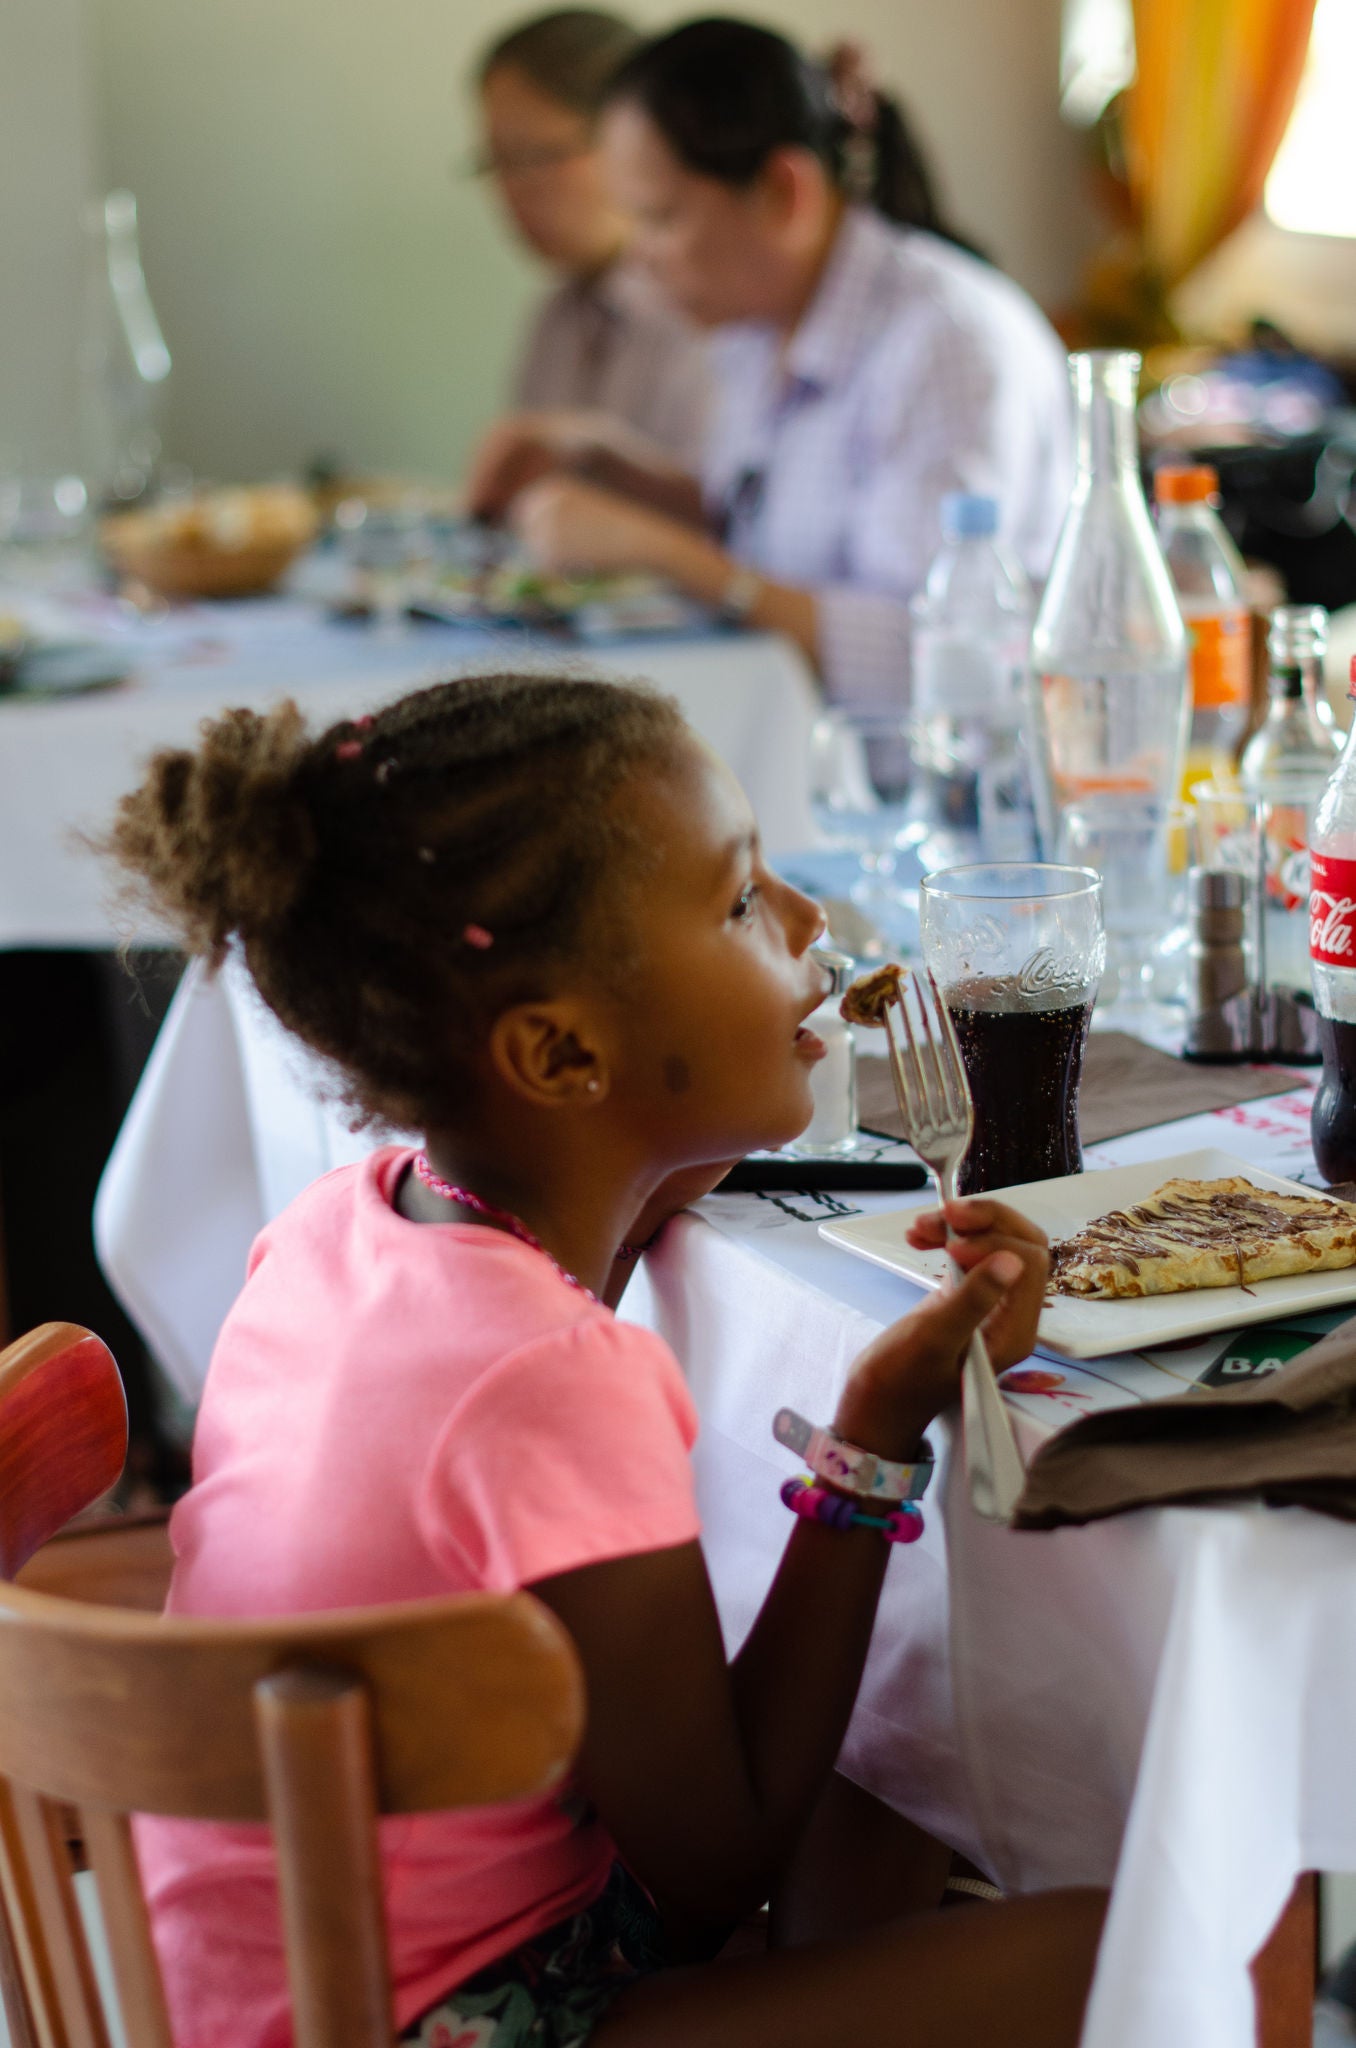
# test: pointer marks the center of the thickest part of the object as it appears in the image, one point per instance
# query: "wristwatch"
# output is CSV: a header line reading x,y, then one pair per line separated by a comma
x,y
860,1473
739,596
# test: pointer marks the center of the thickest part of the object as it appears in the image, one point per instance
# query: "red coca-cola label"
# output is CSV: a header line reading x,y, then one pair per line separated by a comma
x,y
1332,910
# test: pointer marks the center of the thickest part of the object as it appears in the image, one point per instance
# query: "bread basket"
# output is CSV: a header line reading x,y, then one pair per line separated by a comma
x,y
227,543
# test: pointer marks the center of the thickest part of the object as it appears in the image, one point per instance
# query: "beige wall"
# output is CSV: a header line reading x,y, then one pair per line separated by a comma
x,y
47,171
327,285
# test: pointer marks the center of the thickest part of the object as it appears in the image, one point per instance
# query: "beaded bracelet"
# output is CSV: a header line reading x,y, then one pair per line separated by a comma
x,y
816,1504
626,1251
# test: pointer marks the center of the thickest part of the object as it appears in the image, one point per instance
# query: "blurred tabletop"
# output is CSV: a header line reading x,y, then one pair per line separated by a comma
x,y
66,759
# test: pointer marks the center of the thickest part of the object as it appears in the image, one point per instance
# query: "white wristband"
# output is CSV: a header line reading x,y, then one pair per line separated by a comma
x,y
860,1473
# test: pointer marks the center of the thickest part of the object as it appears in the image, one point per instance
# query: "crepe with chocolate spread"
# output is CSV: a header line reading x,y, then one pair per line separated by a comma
x,y
1203,1233
864,1000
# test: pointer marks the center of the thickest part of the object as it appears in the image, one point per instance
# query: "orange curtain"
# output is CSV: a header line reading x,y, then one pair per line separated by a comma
x,y
1215,85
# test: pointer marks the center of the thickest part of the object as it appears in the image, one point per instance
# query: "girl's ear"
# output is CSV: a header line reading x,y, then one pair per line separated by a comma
x,y
550,1054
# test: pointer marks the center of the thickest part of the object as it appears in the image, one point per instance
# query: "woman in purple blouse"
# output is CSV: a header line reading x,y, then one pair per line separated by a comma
x,y
605,339
866,363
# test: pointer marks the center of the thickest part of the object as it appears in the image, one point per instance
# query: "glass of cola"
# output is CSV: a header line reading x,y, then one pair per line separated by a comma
x,y
1017,949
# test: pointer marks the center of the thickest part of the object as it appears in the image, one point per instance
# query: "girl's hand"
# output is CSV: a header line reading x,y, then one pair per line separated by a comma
x,y
983,1227
912,1370
570,526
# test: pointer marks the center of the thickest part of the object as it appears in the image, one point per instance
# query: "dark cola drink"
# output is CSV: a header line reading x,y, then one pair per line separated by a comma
x,y
1024,1065
1332,964
1332,1124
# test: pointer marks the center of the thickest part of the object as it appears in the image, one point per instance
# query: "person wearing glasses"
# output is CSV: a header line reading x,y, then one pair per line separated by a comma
x,y
866,363
605,340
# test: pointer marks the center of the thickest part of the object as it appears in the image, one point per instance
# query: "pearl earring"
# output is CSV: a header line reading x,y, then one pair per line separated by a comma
x,y
592,1084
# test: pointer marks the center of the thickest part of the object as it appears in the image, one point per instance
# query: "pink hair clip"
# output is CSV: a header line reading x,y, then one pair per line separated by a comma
x,y
477,936
364,723
348,750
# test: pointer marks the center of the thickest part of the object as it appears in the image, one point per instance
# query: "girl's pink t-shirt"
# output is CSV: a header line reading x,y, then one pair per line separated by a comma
x,y
396,1411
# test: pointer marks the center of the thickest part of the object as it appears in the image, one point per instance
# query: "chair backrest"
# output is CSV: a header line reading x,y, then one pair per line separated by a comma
x,y
63,1434
315,1725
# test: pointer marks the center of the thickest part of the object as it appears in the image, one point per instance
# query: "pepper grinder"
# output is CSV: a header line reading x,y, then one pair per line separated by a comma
x,y
1222,1016
832,1130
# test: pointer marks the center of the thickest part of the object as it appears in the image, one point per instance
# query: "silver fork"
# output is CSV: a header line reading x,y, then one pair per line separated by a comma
x,y
939,1118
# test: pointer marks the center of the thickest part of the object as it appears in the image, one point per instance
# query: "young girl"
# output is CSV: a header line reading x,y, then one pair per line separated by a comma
x,y
529,918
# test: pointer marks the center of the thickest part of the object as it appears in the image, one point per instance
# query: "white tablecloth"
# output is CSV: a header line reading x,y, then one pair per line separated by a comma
x,y
64,764
1164,1700
1161,1702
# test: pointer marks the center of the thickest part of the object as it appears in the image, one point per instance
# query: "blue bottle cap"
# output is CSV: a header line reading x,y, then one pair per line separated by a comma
x,y
969,515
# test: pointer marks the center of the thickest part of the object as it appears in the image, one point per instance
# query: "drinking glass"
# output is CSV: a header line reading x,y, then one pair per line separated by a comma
x,y
1017,949
44,530
861,779
1140,851
388,549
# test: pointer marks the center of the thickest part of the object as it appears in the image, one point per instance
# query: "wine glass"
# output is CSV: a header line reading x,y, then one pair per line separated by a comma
x,y
1139,850
44,530
389,551
861,781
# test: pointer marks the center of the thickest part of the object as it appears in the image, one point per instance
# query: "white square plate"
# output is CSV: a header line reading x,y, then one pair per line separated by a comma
x,y
1093,1329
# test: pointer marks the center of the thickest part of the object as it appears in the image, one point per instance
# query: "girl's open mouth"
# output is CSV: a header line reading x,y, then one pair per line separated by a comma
x,y
809,1044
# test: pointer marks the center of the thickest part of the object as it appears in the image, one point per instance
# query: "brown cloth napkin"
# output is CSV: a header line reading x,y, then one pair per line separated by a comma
x,y
1288,1439
1126,1086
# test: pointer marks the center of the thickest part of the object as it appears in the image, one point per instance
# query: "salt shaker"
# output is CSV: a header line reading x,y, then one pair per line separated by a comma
x,y
1220,1010
833,1080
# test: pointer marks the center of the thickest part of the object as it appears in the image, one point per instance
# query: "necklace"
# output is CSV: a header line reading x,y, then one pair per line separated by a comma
x,y
493,1214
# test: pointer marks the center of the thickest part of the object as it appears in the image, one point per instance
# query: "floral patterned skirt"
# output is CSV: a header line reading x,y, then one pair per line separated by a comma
x,y
552,1992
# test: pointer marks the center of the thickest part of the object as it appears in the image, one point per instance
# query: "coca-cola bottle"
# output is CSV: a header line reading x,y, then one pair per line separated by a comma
x,y
1332,954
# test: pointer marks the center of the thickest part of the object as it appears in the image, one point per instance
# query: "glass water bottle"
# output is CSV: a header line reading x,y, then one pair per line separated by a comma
x,y
124,360
1108,650
1284,771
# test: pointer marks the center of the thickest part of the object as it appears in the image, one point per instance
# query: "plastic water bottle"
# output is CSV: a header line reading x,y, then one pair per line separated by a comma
x,y
971,636
1208,575
1332,958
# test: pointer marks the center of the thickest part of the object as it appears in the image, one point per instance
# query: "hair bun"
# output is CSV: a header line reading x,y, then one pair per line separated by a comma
x,y
223,838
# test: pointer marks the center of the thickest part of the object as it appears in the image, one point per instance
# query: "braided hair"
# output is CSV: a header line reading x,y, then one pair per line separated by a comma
x,y
396,881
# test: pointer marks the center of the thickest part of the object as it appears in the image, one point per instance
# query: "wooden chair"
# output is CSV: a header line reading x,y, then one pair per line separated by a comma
x,y
314,1725
63,1435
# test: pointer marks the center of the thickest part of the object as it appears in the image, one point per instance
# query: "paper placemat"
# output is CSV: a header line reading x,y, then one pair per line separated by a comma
x,y
1127,1086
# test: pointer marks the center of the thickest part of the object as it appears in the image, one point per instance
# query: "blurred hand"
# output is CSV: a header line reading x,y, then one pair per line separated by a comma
x,y
912,1370
572,527
527,445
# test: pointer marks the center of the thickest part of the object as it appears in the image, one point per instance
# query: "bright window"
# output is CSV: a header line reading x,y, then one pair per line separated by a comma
x,y
1097,57
1312,186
